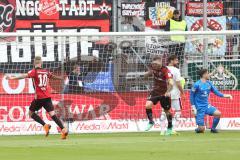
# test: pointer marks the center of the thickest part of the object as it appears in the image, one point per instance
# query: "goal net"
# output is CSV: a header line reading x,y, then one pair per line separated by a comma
x,y
101,91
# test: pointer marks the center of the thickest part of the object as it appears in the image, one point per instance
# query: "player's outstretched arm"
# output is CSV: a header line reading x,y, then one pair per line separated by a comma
x,y
218,93
22,76
228,96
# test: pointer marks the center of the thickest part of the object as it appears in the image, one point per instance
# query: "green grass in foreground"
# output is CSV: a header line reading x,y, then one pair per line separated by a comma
x,y
123,146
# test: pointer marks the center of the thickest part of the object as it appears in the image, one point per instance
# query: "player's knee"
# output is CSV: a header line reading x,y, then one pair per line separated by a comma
x,y
217,114
167,111
149,105
30,113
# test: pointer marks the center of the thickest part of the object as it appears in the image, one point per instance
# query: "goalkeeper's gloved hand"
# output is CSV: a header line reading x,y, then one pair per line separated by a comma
x,y
194,110
228,96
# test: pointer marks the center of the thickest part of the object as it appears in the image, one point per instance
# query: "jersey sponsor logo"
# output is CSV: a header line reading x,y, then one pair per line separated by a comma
x,y
223,78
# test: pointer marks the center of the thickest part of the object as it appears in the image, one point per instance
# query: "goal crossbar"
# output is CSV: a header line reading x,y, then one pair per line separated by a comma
x,y
162,33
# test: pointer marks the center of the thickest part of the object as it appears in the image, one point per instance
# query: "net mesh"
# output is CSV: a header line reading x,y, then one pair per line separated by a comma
x,y
101,92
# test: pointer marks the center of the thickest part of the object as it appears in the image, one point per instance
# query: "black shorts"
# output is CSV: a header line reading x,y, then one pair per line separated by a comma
x,y
39,103
164,101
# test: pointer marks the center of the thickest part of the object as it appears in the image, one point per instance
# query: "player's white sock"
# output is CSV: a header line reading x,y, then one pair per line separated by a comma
x,y
162,122
176,118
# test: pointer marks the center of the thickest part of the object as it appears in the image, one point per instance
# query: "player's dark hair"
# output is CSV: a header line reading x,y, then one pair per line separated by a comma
x,y
171,58
176,12
201,72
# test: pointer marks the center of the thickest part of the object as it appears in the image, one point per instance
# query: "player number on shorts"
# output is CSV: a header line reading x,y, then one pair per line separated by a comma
x,y
43,78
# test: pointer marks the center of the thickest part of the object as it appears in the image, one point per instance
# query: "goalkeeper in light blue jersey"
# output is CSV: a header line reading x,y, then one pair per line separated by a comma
x,y
199,100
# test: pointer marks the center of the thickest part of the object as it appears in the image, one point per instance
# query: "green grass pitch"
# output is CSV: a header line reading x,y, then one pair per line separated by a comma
x,y
123,146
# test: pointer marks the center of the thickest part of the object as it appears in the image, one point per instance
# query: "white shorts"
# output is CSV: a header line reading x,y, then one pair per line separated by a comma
x,y
176,104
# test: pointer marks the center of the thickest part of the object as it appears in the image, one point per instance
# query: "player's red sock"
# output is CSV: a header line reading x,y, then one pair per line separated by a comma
x,y
37,119
57,121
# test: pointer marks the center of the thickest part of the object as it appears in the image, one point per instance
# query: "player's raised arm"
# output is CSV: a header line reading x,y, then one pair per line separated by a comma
x,y
21,76
218,93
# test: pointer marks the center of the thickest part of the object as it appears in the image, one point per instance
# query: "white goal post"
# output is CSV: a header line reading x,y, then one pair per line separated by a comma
x,y
100,92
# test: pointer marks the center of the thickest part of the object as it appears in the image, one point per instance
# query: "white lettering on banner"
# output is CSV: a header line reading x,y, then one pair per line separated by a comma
x,y
20,113
63,3
83,126
185,124
91,114
48,44
19,46
119,126
99,126
28,8
102,126
17,114
34,127
133,9
233,124
133,6
73,44
3,52
4,128
44,46
32,8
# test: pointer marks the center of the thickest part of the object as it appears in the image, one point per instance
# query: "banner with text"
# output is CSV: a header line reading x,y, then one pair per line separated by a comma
x,y
216,44
133,9
105,112
196,8
158,13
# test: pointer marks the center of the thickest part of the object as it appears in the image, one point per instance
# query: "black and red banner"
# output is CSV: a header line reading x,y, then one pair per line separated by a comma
x,y
38,16
63,9
196,8
58,14
7,15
